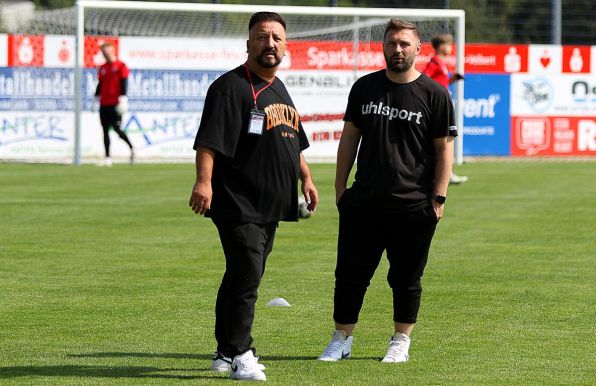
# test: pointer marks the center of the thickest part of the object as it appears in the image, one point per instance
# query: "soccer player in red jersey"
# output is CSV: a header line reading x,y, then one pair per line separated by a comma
x,y
113,102
438,71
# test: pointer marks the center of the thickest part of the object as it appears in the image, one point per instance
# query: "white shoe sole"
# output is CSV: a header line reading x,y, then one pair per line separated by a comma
x,y
253,377
331,359
226,368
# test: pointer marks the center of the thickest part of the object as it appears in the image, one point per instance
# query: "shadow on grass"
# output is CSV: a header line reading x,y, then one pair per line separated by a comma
x,y
100,372
165,355
272,358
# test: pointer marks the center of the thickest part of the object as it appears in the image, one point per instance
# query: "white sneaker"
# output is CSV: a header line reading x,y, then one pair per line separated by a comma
x,y
399,345
222,363
340,347
132,156
457,180
105,162
245,368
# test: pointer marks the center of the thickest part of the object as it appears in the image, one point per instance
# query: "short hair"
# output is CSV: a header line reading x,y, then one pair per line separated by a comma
x,y
439,40
106,45
265,16
399,25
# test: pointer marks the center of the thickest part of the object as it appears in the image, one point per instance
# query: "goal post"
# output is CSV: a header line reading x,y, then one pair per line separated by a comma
x,y
359,28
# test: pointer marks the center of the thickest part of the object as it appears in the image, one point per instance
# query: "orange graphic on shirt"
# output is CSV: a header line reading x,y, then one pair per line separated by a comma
x,y
280,114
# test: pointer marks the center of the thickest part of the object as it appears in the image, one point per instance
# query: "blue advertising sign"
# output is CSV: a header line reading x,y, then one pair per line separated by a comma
x,y
486,114
52,89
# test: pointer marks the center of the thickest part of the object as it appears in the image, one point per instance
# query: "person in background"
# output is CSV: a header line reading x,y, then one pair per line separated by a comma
x,y
437,71
113,102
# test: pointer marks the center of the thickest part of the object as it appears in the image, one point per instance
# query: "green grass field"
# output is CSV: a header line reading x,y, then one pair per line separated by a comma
x,y
106,277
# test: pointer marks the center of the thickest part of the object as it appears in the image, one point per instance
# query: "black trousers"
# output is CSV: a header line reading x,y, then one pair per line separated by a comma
x,y
246,247
110,118
363,236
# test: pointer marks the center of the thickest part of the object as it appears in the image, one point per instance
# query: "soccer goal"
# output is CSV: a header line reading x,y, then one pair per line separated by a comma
x,y
175,51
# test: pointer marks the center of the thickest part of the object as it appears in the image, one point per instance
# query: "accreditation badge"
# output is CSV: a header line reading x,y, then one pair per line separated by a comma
x,y
257,122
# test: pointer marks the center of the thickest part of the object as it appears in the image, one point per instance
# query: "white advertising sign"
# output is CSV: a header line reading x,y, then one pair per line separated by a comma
x,y
544,59
182,53
321,98
3,50
593,60
555,95
36,135
159,135
59,51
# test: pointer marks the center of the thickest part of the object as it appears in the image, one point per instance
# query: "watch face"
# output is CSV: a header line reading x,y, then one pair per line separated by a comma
x,y
440,199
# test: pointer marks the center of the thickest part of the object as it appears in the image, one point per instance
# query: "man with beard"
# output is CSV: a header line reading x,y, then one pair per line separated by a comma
x,y
400,123
248,163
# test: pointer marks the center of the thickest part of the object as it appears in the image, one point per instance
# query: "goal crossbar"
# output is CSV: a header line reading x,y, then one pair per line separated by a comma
x,y
458,16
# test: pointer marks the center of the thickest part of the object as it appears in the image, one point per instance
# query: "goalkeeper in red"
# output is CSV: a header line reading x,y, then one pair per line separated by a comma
x,y
437,70
113,102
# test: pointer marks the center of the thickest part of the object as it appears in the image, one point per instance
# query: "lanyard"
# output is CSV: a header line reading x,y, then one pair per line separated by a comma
x,y
255,95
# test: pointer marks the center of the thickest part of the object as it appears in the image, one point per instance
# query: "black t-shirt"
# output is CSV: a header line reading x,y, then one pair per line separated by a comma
x,y
398,122
254,176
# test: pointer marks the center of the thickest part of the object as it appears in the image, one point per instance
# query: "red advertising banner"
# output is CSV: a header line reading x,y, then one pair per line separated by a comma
x,y
577,59
25,50
496,58
338,55
93,56
553,136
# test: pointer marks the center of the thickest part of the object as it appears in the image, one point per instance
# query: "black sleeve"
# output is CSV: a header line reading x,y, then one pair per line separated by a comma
x,y
443,116
98,89
221,124
123,86
353,110
302,138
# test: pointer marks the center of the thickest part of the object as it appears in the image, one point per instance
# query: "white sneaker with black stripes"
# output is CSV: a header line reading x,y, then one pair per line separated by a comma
x,y
340,347
222,363
246,368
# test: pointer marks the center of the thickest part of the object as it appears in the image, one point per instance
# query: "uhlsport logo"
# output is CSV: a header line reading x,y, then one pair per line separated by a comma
x,y
539,94
391,112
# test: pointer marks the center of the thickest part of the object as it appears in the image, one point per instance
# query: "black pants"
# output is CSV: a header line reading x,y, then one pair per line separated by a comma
x,y
246,247
363,236
110,118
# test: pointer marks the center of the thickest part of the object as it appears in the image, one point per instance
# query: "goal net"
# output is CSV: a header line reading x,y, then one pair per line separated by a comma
x,y
175,51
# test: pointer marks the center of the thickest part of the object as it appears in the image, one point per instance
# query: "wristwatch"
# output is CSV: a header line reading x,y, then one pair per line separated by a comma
x,y
440,199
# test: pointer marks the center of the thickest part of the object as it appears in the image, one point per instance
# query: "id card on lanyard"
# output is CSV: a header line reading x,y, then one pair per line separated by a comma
x,y
257,118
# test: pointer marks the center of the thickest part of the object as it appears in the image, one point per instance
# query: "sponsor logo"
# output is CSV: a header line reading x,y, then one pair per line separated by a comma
x,y
325,81
586,135
533,134
167,84
563,136
390,112
158,130
343,57
30,127
582,91
481,107
539,94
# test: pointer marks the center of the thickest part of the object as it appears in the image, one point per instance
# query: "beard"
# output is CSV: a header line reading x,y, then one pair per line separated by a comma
x,y
265,61
399,66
